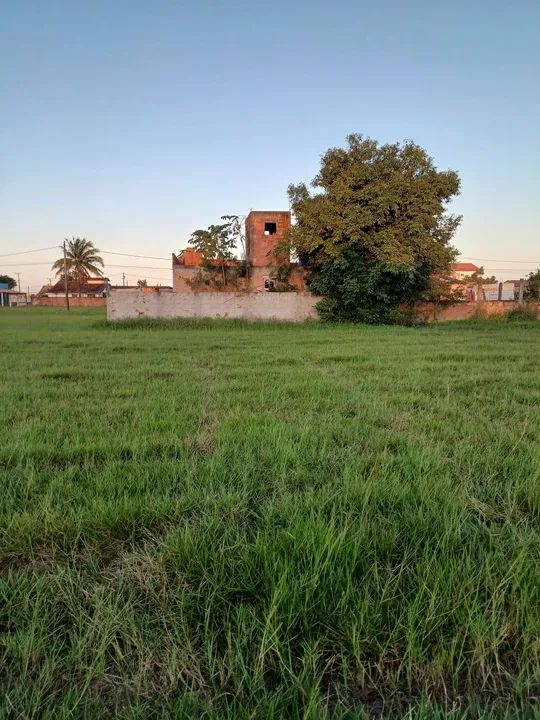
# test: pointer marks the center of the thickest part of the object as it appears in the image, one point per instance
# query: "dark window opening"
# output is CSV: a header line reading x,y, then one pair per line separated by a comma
x,y
270,228
269,284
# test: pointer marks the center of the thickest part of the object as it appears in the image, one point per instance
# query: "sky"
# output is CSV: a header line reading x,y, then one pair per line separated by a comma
x,y
133,123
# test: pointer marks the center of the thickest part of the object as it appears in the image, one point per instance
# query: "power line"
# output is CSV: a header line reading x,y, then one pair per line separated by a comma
x,y
19,264
25,252
158,257
148,277
106,252
140,267
532,262
149,257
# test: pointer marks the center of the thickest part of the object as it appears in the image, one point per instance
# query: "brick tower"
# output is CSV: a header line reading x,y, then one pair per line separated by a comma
x,y
264,230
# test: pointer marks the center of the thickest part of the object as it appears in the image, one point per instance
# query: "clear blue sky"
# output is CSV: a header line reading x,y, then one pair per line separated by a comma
x,y
132,123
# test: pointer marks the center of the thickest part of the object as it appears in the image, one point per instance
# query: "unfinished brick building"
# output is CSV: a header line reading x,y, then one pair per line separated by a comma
x,y
264,231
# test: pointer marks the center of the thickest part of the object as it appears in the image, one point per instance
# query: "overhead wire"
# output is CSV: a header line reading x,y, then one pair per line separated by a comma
x,y
528,262
150,267
162,257
25,252
149,257
518,265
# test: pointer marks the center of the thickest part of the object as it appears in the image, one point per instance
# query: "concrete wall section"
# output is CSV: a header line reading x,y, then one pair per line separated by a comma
x,y
153,303
127,304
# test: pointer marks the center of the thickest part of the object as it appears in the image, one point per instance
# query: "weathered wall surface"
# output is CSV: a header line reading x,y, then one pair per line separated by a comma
x,y
259,245
127,304
151,303
73,301
183,275
466,310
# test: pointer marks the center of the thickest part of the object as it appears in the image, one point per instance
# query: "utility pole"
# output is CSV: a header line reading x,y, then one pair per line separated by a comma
x,y
19,280
66,278
521,290
123,279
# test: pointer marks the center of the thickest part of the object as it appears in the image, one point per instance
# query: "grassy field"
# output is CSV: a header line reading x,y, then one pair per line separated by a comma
x,y
212,520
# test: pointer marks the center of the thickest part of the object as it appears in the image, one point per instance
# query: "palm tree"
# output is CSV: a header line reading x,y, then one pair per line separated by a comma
x,y
82,261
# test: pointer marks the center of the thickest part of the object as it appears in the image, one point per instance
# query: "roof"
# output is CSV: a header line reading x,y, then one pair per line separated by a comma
x,y
90,285
269,212
191,258
464,267
44,290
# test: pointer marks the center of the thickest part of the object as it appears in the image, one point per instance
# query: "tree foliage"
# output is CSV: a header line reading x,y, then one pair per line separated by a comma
x,y
7,279
82,260
375,229
442,292
532,291
236,230
216,244
478,278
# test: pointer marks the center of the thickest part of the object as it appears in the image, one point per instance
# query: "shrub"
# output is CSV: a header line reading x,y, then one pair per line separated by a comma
x,y
409,316
522,313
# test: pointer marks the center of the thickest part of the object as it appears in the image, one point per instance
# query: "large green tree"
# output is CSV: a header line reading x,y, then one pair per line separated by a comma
x,y
375,229
82,260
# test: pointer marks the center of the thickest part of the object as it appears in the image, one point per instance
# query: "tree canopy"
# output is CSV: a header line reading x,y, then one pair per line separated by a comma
x,y
82,260
532,291
216,244
375,229
7,279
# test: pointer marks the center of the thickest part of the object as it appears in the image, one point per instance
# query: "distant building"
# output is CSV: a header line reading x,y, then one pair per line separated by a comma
x,y
90,287
12,298
459,271
265,231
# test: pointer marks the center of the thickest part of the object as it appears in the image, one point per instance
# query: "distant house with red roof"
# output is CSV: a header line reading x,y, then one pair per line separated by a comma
x,y
463,270
87,288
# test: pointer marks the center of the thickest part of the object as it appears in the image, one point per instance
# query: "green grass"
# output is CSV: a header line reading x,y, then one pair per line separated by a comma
x,y
232,520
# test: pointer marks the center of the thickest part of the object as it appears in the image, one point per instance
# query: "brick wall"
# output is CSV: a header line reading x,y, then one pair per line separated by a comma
x,y
183,275
466,310
125,304
73,301
259,246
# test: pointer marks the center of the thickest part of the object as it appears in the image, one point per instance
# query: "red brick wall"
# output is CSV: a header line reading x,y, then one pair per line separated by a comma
x,y
297,279
184,276
73,301
260,274
466,310
260,246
